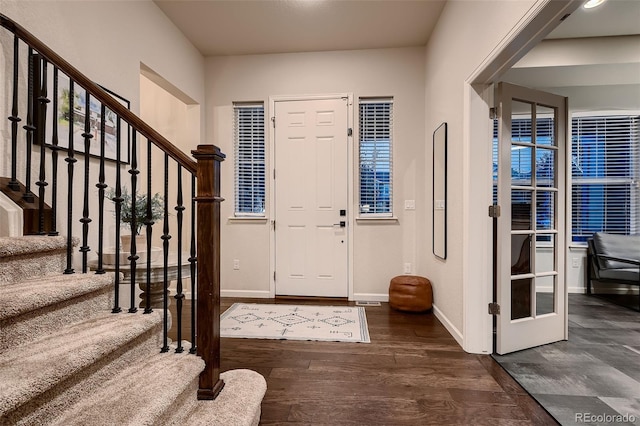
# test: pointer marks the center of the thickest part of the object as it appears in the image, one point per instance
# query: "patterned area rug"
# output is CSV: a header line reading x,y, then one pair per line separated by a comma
x,y
295,322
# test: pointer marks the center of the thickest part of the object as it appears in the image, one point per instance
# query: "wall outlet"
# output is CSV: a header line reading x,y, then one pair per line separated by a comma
x,y
236,264
575,262
407,268
409,204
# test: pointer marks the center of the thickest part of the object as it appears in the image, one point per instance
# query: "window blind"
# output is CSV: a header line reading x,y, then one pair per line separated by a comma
x,y
376,161
249,157
605,154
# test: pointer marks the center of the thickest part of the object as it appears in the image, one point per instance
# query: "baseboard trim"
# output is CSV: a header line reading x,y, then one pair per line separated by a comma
x,y
631,290
257,294
449,326
371,297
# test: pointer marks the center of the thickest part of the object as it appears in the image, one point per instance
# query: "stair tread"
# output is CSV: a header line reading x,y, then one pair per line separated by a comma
x,y
237,404
36,293
16,246
139,394
39,365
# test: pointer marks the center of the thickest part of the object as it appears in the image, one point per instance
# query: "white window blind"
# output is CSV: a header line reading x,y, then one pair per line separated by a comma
x,y
606,175
249,157
376,160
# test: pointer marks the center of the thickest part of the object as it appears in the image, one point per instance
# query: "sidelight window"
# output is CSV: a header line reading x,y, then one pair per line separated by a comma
x,y
376,157
249,159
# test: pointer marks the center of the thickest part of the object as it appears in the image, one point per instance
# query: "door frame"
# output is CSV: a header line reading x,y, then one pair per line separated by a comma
x,y
349,183
544,16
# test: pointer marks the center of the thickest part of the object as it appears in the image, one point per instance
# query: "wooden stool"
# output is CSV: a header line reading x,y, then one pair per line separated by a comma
x,y
410,293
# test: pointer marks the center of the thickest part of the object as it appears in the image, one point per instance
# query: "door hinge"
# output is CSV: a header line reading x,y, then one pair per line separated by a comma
x,y
274,174
274,275
349,131
494,210
494,309
273,121
494,112
273,223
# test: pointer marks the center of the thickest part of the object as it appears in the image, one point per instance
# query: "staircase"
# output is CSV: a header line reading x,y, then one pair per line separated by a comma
x,y
65,359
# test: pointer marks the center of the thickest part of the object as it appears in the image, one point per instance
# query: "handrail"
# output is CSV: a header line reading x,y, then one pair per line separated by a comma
x,y
100,94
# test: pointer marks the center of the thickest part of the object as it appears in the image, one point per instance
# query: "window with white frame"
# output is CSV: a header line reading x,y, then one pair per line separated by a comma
x,y
605,169
249,159
376,157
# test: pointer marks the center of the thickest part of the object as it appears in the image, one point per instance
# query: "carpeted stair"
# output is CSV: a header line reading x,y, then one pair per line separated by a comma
x,y
65,359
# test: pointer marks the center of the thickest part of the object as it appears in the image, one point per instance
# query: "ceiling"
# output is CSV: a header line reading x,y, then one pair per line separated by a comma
x,y
241,27
613,18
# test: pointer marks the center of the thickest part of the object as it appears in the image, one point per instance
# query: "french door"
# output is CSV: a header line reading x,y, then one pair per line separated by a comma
x,y
530,243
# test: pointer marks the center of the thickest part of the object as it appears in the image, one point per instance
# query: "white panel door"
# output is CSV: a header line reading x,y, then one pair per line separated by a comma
x,y
310,196
530,251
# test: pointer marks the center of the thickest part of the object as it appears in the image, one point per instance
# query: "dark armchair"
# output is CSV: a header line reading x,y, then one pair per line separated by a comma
x,y
613,259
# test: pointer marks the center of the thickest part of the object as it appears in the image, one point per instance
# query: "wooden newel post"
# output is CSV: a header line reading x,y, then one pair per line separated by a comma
x,y
208,246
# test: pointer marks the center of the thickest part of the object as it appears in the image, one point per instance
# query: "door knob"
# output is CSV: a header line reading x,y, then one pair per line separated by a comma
x,y
342,224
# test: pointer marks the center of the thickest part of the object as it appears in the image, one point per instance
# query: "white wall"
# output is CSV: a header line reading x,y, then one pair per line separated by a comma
x,y
178,122
108,41
466,34
380,249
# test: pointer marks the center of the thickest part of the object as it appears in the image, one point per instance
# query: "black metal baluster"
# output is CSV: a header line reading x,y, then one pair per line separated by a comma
x,y
101,187
29,128
54,155
118,206
179,295
42,125
148,223
192,261
133,257
14,118
71,160
84,249
165,245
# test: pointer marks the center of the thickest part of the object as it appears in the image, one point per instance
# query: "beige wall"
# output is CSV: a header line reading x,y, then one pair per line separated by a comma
x,y
466,34
380,249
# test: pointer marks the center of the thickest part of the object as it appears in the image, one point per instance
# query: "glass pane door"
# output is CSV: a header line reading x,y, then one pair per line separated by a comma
x,y
530,244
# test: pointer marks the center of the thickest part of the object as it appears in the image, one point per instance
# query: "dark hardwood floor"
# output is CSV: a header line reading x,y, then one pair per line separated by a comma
x,y
412,373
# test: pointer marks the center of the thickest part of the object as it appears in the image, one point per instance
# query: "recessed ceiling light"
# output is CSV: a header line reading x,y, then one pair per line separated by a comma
x,y
590,4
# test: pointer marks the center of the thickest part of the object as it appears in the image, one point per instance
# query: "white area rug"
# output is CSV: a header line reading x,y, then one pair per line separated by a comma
x,y
295,322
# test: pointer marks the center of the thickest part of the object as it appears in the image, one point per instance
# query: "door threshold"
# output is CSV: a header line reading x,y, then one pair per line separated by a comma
x,y
313,298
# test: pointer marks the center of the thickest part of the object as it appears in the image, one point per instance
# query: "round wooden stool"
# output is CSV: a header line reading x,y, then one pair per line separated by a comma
x,y
410,293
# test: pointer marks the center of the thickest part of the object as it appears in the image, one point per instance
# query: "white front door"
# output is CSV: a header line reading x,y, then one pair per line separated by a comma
x,y
311,243
531,289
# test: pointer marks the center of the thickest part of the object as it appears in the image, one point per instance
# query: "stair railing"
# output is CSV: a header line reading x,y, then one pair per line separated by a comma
x,y
41,141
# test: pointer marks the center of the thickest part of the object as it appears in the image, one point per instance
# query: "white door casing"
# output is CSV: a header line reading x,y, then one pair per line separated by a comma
x,y
531,288
310,190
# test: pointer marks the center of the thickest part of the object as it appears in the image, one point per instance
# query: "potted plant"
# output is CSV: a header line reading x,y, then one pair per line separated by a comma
x,y
126,214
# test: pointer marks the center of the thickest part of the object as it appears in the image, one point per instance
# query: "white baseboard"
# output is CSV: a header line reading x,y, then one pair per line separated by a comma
x,y
258,294
371,297
449,326
614,290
